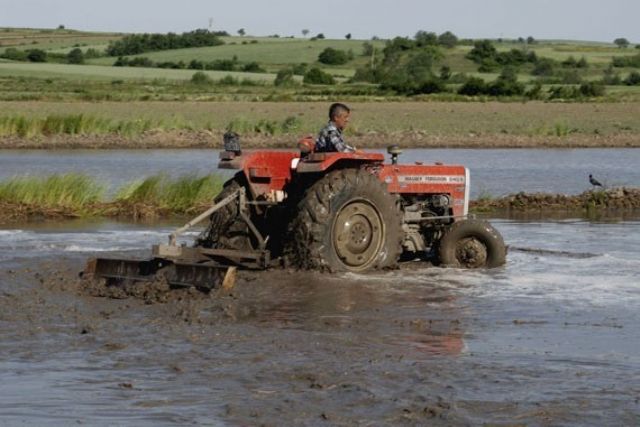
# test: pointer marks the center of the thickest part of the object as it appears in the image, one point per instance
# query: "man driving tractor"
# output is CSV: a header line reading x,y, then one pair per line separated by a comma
x,y
330,137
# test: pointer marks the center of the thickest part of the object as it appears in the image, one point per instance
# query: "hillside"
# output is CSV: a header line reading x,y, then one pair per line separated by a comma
x,y
275,53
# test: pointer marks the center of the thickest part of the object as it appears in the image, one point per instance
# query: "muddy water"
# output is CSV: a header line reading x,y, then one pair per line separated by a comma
x,y
551,339
493,171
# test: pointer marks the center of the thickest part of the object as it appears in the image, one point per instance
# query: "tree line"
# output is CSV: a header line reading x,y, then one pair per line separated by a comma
x,y
135,44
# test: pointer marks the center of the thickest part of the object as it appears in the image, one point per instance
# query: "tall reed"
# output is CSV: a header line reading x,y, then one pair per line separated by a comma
x,y
180,195
69,191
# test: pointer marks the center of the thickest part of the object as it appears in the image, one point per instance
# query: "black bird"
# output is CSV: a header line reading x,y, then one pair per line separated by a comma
x,y
594,181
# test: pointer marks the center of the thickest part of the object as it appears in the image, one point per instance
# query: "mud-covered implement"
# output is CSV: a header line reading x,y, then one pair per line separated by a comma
x,y
325,211
180,265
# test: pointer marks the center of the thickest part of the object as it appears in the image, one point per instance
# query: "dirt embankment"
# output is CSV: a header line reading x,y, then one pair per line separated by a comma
x,y
609,200
615,199
406,139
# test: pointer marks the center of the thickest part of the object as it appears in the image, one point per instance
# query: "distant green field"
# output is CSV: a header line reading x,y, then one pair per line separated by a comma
x,y
99,72
99,80
50,39
270,51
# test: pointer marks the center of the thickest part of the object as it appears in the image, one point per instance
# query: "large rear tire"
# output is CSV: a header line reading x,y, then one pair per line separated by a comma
x,y
472,244
347,221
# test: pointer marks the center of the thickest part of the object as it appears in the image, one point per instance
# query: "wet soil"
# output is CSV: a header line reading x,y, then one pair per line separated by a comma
x,y
607,200
280,348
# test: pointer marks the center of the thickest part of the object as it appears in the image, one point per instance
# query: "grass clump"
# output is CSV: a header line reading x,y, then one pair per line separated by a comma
x,y
80,124
75,195
68,191
181,195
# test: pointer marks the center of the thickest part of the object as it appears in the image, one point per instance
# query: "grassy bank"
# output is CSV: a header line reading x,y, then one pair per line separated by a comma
x,y
76,195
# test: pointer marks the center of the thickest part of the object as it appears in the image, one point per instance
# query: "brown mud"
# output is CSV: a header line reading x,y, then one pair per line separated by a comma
x,y
611,200
406,139
280,348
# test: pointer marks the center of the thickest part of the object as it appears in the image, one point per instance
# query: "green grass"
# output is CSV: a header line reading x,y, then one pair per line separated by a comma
x,y
267,51
52,39
81,124
183,194
444,119
80,195
69,191
99,72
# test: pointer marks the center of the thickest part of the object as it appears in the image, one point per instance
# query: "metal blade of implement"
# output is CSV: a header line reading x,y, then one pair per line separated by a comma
x,y
199,275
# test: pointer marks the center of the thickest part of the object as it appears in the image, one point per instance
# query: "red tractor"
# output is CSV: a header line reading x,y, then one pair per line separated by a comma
x,y
326,211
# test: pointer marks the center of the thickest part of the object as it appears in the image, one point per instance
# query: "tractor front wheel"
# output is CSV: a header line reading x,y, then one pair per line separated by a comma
x,y
472,244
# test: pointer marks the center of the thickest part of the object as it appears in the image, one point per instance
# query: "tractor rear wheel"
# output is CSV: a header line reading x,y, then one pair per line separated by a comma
x,y
226,229
472,244
347,221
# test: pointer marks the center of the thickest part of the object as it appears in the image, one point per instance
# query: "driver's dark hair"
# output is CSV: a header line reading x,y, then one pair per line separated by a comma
x,y
336,109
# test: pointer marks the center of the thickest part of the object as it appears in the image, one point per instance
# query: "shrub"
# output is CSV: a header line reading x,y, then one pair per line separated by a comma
x,y
284,78
364,74
426,38
544,67
121,62
535,92
488,65
223,65
448,39
626,61
316,76
506,84
196,65
432,85
300,69
592,89
228,80
37,55
253,67
14,54
585,90
610,77
482,49
201,78
331,56
570,77
633,79
92,53
141,62
445,72
75,56
473,86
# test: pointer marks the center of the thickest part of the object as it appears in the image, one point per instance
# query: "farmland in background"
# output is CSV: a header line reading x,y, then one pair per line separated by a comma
x,y
36,99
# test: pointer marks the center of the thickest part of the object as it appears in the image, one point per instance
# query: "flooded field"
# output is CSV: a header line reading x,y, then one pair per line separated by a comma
x,y
494,172
550,339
